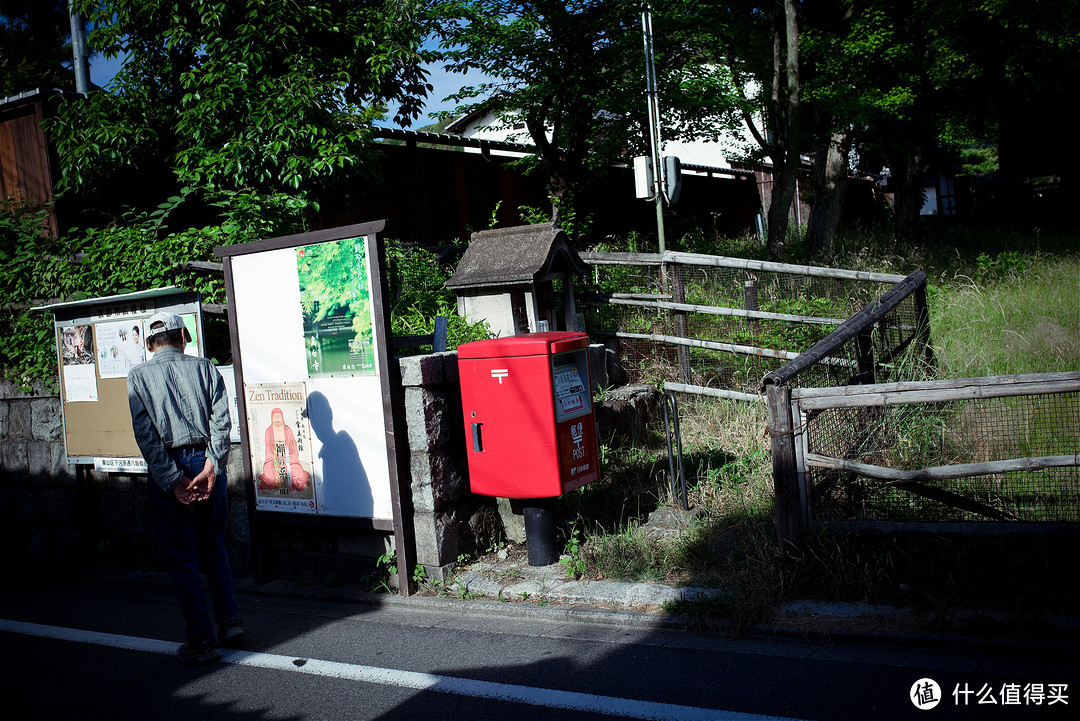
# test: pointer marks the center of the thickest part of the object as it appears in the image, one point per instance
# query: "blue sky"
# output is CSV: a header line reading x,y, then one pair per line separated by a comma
x,y
102,69
445,83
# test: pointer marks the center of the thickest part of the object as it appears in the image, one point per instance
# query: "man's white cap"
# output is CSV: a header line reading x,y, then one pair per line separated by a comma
x,y
168,321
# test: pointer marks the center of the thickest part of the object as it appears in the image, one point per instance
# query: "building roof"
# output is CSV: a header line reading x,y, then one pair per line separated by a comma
x,y
39,93
513,256
502,146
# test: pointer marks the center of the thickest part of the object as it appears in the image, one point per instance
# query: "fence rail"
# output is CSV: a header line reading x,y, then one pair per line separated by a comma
x,y
714,325
855,328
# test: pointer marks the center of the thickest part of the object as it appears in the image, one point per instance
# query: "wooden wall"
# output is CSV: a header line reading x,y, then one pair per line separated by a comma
x,y
26,168
436,195
430,194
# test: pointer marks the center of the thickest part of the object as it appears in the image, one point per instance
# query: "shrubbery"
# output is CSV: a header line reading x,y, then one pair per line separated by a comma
x,y
140,251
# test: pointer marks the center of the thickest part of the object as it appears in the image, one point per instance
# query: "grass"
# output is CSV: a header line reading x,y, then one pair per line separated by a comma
x,y
1000,304
1018,322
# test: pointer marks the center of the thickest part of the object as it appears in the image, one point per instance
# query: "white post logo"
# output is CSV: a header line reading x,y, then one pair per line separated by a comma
x,y
500,373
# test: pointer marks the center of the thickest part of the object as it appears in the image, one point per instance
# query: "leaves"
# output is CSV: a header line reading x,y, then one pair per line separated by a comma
x,y
269,95
137,253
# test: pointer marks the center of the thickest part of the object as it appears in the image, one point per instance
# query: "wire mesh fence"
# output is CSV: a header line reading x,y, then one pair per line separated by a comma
x,y
985,435
701,323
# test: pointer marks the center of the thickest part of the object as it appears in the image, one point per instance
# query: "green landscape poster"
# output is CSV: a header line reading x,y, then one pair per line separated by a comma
x,y
335,299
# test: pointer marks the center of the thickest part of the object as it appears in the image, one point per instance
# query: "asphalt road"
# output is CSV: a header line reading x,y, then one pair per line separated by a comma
x,y
85,649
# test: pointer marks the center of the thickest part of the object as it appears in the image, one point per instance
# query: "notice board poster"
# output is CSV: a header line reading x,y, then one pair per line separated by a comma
x,y
280,439
76,343
335,300
308,349
99,341
119,346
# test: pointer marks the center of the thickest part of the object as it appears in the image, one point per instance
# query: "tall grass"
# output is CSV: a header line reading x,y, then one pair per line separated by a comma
x,y
1019,321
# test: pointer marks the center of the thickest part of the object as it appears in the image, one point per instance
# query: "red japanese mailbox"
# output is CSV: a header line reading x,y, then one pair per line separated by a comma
x,y
528,407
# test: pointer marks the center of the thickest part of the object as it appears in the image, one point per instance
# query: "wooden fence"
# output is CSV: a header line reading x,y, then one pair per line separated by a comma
x,y
861,431
914,454
713,325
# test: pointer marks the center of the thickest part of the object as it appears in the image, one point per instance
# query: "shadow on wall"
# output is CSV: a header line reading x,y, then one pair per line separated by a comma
x,y
342,470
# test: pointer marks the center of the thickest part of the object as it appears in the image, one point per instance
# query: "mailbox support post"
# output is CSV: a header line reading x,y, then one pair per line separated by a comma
x,y
540,532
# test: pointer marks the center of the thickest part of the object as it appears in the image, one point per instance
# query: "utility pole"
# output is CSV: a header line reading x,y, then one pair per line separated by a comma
x,y
654,124
81,56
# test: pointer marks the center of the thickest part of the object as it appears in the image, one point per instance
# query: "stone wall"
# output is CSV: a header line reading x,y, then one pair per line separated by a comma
x,y
448,520
54,513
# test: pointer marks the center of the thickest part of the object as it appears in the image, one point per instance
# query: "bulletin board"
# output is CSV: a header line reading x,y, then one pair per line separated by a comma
x,y
312,369
98,340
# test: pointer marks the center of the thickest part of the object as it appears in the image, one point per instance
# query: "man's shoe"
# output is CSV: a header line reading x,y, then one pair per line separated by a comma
x,y
200,651
231,633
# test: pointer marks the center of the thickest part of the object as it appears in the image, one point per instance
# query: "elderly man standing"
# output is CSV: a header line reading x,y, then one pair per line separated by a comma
x,y
180,414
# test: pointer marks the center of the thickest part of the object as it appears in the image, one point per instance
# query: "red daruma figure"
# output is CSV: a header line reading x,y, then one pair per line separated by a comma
x,y
282,468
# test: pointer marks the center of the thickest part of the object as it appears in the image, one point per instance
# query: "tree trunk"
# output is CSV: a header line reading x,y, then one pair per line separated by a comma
x,y
552,159
830,187
785,181
786,106
908,195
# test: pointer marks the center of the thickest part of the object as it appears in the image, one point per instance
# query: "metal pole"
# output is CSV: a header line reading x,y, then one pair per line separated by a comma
x,y
654,125
540,531
80,56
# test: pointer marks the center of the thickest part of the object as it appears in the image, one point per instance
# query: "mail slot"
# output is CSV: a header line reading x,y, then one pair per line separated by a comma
x,y
528,407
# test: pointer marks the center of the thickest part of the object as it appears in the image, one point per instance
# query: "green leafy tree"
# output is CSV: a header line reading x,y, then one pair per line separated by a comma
x,y
758,43
228,95
553,66
904,82
136,253
862,81
570,76
1002,69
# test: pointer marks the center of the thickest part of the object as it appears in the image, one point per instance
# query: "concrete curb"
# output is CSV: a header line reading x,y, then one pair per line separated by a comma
x,y
598,611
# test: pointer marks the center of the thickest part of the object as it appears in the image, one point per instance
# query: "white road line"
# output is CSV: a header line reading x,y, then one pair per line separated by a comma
x,y
549,698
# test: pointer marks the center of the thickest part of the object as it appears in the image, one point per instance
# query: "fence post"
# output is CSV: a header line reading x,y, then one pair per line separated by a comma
x,y
922,321
750,298
678,295
790,504
864,350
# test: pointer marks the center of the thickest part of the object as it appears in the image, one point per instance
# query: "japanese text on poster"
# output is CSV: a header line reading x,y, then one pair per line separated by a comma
x,y
280,446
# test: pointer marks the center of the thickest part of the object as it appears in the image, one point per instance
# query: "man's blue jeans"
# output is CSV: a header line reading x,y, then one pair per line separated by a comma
x,y
192,537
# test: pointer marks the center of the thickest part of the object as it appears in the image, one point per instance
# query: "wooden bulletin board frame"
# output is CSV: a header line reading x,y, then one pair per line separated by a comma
x,y
270,340
97,429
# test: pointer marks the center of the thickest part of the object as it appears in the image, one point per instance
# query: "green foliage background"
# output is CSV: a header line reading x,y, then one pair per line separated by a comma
x,y
322,291
142,253
138,253
418,295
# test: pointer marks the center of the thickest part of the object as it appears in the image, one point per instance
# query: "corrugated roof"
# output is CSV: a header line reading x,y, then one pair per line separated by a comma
x,y
122,298
30,94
